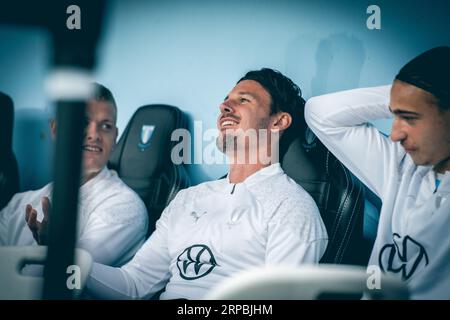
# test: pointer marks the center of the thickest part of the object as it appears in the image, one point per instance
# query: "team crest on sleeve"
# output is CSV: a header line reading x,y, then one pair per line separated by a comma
x,y
195,262
405,256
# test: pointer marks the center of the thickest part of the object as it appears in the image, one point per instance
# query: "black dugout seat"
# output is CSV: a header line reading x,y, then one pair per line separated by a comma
x,y
142,157
338,194
9,173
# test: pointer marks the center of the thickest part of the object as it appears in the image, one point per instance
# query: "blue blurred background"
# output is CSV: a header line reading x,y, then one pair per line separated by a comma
x,y
191,53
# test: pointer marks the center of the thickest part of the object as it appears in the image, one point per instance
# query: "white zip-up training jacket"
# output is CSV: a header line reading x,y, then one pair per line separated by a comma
x,y
215,230
413,237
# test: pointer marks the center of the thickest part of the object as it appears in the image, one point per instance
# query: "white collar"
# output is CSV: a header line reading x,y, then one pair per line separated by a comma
x,y
105,172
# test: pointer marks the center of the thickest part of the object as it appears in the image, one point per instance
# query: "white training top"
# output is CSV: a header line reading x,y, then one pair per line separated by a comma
x,y
214,230
413,241
112,219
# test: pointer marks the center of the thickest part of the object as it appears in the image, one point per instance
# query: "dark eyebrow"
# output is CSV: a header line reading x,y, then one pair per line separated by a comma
x,y
242,93
403,112
107,120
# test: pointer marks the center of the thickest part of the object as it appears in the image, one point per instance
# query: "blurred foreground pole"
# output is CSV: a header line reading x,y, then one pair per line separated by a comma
x,y
74,53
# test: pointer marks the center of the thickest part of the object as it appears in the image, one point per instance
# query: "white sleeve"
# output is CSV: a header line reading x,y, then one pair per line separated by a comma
x,y
115,231
6,215
341,121
107,282
146,274
296,234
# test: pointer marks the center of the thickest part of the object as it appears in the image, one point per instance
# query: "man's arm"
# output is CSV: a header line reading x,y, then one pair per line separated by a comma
x,y
114,231
296,234
13,227
112,234
341,121
146,274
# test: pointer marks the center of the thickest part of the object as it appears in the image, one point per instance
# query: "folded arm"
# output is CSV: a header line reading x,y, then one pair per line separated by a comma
x,y
341,121
146,274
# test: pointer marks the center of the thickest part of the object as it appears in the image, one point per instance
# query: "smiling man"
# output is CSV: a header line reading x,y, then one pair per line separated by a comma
x,y
112,219
410,172
256,216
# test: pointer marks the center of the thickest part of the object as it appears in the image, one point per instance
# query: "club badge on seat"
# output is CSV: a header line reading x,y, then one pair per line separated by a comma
x,y
310,140
146,134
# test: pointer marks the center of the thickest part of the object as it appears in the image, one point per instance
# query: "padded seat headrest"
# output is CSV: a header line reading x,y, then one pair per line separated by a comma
x,y
9,175
6,122
305,150
337,193
144,141
306,161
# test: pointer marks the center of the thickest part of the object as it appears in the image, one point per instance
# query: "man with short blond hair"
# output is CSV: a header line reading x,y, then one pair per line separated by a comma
x,y
112,219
